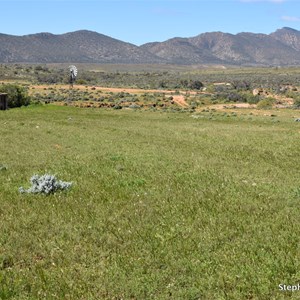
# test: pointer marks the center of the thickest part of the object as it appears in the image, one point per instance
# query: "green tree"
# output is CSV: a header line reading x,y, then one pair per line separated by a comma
x,y
17,95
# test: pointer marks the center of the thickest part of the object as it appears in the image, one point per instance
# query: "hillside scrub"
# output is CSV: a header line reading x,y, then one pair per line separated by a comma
x,y
154,77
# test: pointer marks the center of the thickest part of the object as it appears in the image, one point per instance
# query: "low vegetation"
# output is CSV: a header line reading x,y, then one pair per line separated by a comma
x,y
164,205
200,87
201,204
45,184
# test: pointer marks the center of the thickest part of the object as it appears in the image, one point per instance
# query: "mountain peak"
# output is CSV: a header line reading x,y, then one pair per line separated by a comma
x,y
42,35
288,36
288,29
285,30
83,31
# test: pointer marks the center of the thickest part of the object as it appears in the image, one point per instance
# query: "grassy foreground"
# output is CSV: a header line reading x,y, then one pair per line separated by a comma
x,y
164,205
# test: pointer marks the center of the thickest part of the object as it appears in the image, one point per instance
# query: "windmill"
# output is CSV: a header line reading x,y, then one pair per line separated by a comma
x,y
73,74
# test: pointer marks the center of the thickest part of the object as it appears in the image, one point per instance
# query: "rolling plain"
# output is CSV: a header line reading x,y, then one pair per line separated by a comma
x,y
170,200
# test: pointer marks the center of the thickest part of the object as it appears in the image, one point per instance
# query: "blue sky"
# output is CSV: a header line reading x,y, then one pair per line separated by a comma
x,y
142,21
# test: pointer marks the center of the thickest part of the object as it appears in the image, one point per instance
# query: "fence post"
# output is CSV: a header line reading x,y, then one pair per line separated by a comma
x,y
3,101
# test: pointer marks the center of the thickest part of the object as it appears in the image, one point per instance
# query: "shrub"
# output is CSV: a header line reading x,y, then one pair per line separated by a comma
x,y
81,81
196,85
236,97
297,101
251,99
50,78
241,85
134,106
45,184
3,167
17,95
266,103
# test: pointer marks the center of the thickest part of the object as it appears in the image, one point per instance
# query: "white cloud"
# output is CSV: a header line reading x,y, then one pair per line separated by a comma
x,y
290,19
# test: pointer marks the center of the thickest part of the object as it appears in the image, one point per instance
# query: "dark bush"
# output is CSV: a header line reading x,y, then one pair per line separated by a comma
x,y
17,95
235,97
196,85
241,85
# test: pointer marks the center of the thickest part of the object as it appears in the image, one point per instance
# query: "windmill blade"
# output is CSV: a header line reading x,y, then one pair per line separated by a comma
x,y
73,70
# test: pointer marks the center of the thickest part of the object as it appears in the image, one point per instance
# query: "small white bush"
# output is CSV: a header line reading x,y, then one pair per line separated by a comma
x,y
45,184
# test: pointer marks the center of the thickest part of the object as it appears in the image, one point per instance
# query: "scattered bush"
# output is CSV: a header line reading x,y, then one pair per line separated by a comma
x,y
236,97
251,99
3,167
297,101
134,106
266,103
241,85
81,81
195,84
50,78
45,184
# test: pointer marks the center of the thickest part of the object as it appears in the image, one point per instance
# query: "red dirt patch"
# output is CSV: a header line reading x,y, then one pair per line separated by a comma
x,y
179,100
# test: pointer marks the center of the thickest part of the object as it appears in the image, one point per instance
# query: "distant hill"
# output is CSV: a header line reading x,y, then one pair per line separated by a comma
x,y
79,46
281,47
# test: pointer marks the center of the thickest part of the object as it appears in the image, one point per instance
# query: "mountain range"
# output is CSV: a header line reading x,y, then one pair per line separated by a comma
x,y
279,48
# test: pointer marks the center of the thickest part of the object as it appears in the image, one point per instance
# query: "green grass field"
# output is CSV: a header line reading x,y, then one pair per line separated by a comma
x,y
163,206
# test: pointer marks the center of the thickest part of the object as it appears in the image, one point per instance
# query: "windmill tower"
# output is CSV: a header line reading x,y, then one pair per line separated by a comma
x,y
73,75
